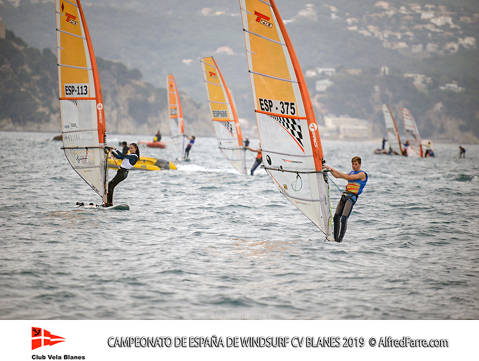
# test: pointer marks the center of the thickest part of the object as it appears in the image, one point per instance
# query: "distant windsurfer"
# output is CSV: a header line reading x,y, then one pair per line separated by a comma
x,y
405,149
357,179
462,152
429,152
188,147
128,161
157,137
382,150
258,160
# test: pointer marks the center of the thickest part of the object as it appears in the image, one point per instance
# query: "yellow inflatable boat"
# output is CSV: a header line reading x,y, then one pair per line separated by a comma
x,y
145,163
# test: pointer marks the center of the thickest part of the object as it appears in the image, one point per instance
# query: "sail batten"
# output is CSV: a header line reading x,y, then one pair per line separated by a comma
x,y
224,115
81,102
288,131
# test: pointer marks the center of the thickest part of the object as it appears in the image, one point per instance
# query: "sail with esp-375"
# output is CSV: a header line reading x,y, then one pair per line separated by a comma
x,y
224,115
81,104
288,131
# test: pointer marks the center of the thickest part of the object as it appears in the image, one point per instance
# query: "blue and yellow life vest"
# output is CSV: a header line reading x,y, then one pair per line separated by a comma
x,y
356,186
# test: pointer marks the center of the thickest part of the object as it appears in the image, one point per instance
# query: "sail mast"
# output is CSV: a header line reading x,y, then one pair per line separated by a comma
x,y
96,79
308,106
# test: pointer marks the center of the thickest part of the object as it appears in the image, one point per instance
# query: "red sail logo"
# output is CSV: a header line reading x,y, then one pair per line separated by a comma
x,y
72,19
212,74
42,337
263,19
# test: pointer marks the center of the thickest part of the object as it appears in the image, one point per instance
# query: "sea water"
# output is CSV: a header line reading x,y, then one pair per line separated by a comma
x,y
204,242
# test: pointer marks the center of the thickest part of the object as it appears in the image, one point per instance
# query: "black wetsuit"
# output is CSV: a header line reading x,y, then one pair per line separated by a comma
x,y
188,148
346,203
120,175
343,211
257,162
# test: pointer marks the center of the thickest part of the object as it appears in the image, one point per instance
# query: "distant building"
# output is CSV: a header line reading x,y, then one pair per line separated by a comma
x,y
453,86
420,81
353,71
345,127
322,85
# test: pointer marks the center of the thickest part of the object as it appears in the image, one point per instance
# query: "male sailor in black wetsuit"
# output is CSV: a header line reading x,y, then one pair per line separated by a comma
x,y
357,179
129,160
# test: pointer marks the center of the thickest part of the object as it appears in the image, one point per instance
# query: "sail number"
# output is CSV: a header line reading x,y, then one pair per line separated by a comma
x,y
76,90
277,106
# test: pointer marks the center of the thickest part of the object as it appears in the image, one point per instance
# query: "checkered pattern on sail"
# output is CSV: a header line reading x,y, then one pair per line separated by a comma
x,y
229,127
292,126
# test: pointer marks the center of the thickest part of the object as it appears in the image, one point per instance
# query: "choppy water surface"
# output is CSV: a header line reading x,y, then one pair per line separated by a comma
x,y
205,243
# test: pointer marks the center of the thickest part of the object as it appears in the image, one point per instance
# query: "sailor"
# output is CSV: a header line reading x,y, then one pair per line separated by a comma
x,y
129,160
405,149
383,146
357,179
429,152
157,137
258,160
462,152
188,147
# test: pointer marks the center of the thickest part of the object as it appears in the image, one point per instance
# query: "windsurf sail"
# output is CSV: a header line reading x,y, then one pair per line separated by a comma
x,y
81,103
175,115
224,115
392,131
415,146
289,136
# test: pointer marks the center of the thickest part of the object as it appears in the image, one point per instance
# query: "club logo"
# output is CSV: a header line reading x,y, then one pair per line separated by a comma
x,y
42,337
263,19
99,106
313,127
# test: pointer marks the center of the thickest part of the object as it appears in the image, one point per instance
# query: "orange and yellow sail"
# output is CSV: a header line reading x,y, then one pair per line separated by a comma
x,y
224,115
175,116
81,104
288,131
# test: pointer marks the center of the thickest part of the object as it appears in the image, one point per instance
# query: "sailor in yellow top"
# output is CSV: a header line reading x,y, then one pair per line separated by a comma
x,y
357,179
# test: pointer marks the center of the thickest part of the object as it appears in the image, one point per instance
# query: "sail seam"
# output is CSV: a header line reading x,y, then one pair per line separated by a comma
x,y
75,5
71,34
209,82
287,154
272,77
75,67
79,130
264,37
